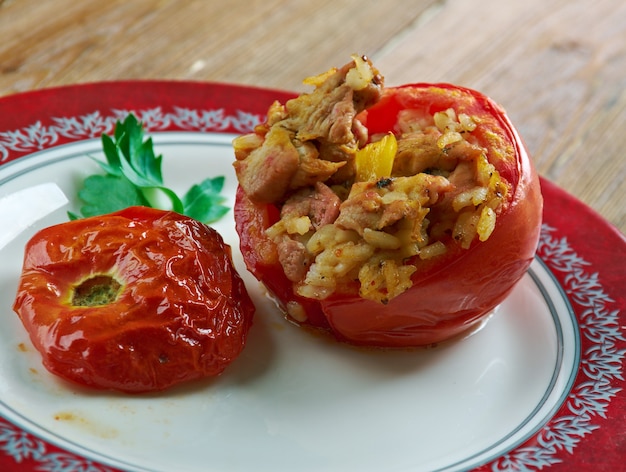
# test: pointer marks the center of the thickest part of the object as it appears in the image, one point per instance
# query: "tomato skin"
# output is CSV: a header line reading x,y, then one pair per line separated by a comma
x,y
261,258
182,313
450,293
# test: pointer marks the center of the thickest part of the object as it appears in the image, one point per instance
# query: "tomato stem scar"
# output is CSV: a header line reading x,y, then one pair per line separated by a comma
x,y
95,291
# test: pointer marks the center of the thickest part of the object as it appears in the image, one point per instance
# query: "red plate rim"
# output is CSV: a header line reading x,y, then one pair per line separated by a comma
x,y
583,251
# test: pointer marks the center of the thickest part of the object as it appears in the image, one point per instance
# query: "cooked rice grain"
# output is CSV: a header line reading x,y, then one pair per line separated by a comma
x,y
380,239
388,227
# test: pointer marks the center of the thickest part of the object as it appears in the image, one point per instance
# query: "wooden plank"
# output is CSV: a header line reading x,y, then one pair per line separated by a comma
x,y
559,68
561,76
261,43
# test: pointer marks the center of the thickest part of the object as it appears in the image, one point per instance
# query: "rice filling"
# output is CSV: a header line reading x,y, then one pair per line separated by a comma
x,y
358,213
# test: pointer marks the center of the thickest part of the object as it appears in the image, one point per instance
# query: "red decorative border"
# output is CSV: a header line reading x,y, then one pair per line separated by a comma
x,y
601,245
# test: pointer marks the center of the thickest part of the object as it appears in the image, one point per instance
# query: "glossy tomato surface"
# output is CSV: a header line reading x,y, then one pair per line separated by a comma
x,y
450,293
135,301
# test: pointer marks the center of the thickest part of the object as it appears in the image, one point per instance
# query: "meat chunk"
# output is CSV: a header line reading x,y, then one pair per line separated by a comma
x,y
320,204
266,172
294,258
311,169
327,115
377,205
311,137
419,152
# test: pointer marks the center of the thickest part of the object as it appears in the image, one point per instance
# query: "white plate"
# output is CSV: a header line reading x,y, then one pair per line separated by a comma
x,y
541,386
293,400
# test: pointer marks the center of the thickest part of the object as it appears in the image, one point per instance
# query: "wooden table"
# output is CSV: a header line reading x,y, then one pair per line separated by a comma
x,y
557,66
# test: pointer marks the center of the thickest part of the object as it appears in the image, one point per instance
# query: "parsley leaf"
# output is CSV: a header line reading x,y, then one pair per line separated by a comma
x,y
204,202
119,190
133,177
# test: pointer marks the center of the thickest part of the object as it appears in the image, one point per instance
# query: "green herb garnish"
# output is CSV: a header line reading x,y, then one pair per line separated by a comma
x,y
133,177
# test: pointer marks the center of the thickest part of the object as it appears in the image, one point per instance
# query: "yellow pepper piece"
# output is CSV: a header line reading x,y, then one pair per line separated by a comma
x,y
375,160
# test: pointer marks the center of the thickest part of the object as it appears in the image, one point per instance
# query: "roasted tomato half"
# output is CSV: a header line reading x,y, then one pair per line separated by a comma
x,y
135,301
389,216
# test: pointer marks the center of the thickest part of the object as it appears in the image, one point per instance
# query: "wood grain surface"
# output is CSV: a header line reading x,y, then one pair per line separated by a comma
x,y
557,66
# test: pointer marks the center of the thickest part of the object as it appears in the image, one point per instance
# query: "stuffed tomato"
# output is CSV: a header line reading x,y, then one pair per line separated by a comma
x,y
134,301
390,216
